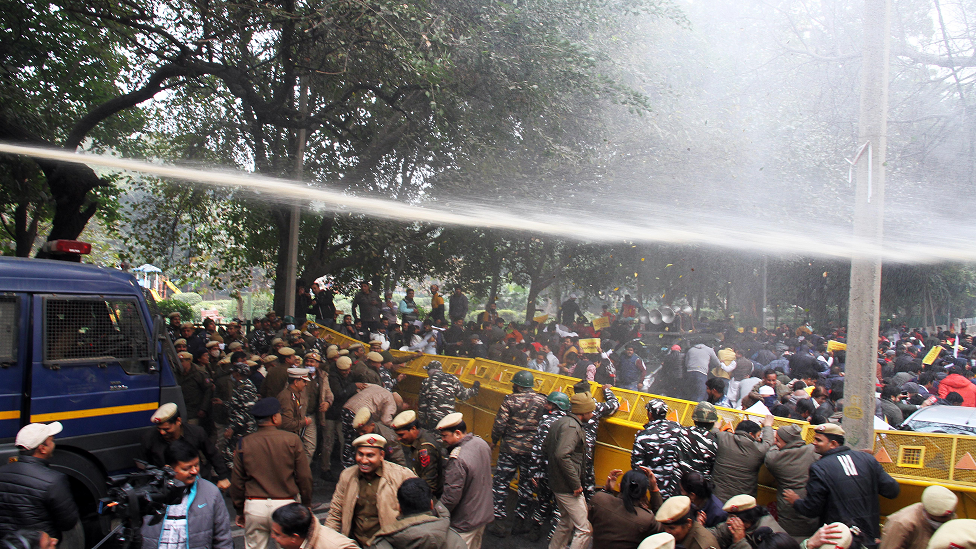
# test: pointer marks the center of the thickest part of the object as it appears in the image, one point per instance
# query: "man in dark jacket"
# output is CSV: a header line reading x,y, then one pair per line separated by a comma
x,y
417,527
739,458
200,520
565,449
343,388
789,462
32,495
167,427
368,303
844,485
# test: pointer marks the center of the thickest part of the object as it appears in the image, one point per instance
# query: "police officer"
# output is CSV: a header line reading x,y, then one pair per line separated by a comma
x,y
294,404
167,427
516,424
467,480
655,448
677,517
421,450
365,423
270,470
438,393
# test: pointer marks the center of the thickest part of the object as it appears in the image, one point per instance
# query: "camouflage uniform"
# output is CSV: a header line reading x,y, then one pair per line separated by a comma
x,y
437,395
655,448
696,452
239,418
538,469
603,409
389,381
516,425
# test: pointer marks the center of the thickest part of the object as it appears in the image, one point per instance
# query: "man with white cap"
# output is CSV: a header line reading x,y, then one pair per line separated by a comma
x,y
379,401
36,497
678,519
365,498
421,450
663,540
844,485
167,427
467,480
745,517
912,527
835,535
955,534
293,409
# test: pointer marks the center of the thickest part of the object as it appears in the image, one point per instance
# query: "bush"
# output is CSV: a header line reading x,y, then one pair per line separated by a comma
x,y
168,306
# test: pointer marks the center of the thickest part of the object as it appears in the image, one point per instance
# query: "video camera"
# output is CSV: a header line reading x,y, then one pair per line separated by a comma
x,y
143,493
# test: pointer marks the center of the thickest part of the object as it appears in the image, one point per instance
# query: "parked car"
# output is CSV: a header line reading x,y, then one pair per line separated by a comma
x,y
951,420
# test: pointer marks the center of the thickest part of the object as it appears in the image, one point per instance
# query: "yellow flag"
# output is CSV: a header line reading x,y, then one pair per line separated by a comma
x,y
836,346
932,355
541,319
600,323
591,345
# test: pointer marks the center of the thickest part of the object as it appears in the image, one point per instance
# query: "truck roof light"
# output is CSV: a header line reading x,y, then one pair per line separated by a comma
x,y
67,247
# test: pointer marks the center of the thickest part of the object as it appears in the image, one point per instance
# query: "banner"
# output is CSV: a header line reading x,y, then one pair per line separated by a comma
x,y
836,346
932,355
591,345
600,323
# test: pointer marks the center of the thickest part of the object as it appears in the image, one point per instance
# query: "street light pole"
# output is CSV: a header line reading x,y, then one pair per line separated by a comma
x,y
865,294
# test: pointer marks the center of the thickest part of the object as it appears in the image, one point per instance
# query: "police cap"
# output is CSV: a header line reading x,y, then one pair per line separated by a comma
x,y
166,412
674,510
266,407
405,419
450,421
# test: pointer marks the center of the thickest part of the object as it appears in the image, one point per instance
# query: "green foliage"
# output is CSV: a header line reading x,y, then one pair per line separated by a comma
x,y
168,306
190,298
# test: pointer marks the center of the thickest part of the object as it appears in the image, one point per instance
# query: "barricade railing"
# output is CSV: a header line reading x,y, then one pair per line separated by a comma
x,y
913,458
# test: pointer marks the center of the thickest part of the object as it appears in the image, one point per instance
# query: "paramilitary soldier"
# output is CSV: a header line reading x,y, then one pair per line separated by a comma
x,y
421,449
438,393
557,404
654,447
697,446
516,424
240,422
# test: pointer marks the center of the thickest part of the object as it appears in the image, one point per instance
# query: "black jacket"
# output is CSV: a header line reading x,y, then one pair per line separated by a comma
x,y
844,486
154,448
342,389
35,497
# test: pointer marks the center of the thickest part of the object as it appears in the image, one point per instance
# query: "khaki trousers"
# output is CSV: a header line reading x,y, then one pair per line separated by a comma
x,y
257,521
332,430
310,439
473,538
573,523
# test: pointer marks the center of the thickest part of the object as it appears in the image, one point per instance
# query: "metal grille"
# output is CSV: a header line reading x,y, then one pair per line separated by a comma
x,y
79,329
911,456
8,329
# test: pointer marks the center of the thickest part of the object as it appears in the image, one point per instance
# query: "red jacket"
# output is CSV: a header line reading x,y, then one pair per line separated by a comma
x,y
959,384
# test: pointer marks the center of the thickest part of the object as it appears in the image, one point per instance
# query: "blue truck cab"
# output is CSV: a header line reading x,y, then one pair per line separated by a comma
x,y
81,345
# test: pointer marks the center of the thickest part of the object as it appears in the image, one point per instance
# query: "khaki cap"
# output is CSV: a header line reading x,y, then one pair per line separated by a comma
x,y
450,420
269,359
737,504
174,314
186,325
846,538
225,360
370,441
955,534
235,346
276,341
374,357
313,356
185,355
356,345
939,501
251,363
404,418
331,352
343,352
298,373
165,413
211,344
286,351
581,403
344,363
663,540
375,342
830,429
674,509
179,341
363,416
295,332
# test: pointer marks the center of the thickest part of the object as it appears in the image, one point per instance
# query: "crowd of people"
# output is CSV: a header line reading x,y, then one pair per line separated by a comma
x,y
264,409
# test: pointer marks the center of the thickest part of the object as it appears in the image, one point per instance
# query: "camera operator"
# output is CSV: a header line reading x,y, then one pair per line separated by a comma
x,y
200,520
36,497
